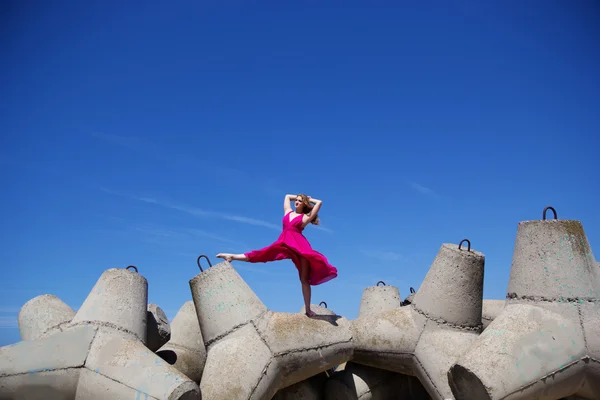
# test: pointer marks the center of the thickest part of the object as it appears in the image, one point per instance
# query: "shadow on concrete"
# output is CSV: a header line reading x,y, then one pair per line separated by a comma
x,y
168,355
332,319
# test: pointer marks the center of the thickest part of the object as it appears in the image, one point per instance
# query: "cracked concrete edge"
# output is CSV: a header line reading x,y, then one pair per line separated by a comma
x,y
252,321
543,299
443,323
428,383
103,324
320,347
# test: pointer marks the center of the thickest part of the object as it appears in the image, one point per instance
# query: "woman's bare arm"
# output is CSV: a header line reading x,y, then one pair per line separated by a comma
x,y
286,202
315,209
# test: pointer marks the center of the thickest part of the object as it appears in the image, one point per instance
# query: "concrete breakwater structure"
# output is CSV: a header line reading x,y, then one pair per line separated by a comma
x,y
442,342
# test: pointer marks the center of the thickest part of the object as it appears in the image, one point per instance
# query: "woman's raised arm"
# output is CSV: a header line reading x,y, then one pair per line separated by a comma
x,y
286,202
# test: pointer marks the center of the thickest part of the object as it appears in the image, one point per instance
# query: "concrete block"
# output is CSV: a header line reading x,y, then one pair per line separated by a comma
x,y
240,367
534,344
127,361
223,301
268,351
118,299
309,389
409,299
305,346
452,291
60,384
185,350
158,330
437,350
425,337
379,298
537,347
42,314
361,382
63,351
490,310
94,341
387,340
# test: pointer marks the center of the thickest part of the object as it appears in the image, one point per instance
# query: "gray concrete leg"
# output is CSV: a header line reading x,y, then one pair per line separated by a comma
x,y
28,368
186,351
490,310
379,298
43,314
310,389
158,330
119,299
126,361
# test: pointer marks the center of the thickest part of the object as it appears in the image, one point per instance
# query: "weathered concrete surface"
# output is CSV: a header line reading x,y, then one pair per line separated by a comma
x,y
379,298
410,297
268,351
43,314
185,351
452,290
53,370
94,357
364,382
318,309
223,301
425,338
538,346
158,330
310,389
118,300
490,310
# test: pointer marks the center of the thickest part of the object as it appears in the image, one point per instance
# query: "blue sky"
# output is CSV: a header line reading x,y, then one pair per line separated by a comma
x,y
148,134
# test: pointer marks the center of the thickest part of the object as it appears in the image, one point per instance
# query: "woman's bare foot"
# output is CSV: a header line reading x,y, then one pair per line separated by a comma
x,y
227,256
310,313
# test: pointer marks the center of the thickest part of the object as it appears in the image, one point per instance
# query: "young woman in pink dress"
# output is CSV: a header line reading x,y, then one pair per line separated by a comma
x,y
313,267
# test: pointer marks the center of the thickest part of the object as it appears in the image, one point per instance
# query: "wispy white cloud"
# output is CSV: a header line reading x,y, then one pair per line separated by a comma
x,y
197,212
422,189
382,255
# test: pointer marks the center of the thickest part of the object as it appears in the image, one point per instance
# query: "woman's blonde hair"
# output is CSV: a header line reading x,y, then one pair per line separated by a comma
x,y
308,208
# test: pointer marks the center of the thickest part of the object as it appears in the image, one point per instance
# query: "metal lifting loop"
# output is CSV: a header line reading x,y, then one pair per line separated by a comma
x,y
207,260
323,303
412,289
468,243
381,282
549,208
132,266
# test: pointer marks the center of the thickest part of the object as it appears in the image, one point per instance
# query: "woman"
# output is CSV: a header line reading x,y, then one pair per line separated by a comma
x,y
313,267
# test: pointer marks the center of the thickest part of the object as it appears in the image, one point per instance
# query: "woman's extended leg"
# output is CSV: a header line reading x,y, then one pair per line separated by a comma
x,y
230,257
304,274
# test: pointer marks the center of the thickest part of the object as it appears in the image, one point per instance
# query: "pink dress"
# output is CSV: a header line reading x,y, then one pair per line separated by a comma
x,y
292,244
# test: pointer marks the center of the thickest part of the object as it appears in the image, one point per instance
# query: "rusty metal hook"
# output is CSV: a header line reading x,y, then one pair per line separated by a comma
x,y
381,282
412,289
207,260
546,209
323,303
468,243
132,266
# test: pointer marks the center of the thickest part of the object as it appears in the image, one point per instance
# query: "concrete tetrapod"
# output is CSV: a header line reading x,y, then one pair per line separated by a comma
x,y
43,315
267,350
158,330
99,355
185,351
363,382
426,337
545,344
